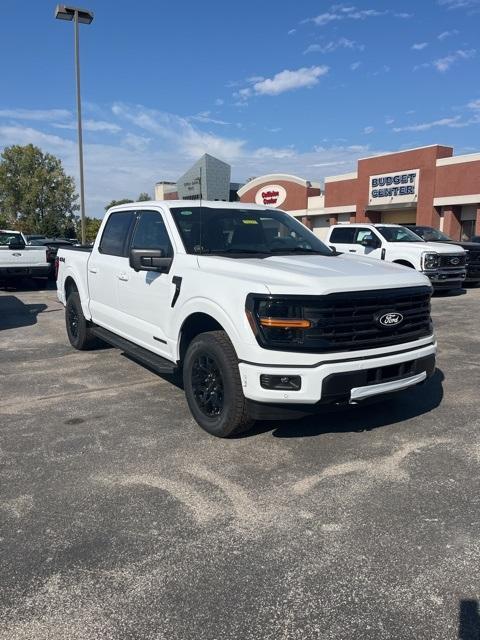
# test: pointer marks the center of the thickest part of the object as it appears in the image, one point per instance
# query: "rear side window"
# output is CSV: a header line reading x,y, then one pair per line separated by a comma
x,y
115,235
151,233
343,235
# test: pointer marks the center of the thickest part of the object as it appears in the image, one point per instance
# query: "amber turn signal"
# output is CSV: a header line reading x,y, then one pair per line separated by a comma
x,y
286,323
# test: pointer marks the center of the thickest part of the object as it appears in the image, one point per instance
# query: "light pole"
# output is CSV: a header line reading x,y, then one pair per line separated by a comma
x,y
62,12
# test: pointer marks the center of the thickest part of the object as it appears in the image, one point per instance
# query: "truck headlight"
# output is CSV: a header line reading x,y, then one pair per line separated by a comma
x,y
430,261
278,321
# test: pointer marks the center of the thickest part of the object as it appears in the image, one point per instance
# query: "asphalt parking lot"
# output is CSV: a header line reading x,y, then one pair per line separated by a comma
x,y
121,519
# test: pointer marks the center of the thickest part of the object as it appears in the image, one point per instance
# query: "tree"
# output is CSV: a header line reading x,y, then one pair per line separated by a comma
x,y
36,195
143,197
114,203
92,225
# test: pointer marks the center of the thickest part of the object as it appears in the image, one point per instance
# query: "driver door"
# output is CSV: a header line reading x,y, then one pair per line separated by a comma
x,y
145,296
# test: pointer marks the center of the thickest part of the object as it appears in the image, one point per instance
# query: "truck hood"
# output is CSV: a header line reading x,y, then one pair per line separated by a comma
x,y
314,275
435,247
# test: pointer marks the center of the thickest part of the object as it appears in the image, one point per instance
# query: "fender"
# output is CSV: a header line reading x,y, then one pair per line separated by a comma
x,y
238,332
71,272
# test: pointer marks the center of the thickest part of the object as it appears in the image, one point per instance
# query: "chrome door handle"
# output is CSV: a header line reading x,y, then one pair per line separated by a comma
x,y
353,250
93,270
123,276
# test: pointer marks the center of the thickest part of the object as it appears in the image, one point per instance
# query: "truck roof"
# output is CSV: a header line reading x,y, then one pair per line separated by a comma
x,y
366,224
218,204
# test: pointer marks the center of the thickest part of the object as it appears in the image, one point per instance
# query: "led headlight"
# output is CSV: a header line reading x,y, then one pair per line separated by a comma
x,y
278,321
431,261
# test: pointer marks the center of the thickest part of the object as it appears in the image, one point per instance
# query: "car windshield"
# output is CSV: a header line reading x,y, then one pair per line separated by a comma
x,y
6,237
432,235
399,234
238,232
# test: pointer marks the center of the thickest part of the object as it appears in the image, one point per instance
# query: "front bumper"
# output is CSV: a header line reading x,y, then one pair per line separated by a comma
x,y
336,381
446,278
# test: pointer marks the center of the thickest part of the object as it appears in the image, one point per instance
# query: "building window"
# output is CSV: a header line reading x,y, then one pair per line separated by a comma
x,y
467,229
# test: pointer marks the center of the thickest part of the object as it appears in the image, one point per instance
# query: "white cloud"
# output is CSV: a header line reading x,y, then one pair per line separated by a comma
x,y
418,46
368,130
139,143
355,65
205,116
459,4
403,16
287,80
291,32
447,34
443,64
329,47
343,12
219,102
40,115
90,125
474,104
389,120
425,126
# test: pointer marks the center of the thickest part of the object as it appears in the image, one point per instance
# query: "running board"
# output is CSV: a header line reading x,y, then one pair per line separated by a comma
x,y
145,357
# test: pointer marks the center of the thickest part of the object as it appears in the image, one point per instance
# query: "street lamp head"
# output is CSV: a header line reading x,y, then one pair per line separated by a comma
x,y
64,12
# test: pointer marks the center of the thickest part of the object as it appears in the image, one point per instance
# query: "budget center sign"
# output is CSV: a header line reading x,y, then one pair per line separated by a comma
x,y
394,188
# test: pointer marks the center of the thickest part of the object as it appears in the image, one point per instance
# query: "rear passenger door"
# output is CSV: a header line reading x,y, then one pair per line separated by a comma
x,y
342,238
106,265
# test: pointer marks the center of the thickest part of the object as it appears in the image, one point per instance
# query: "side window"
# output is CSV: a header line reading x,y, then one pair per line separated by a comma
x,y
115,235
151,233
343,235
362,234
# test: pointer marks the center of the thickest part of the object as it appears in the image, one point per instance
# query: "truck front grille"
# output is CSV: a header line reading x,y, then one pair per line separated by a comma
x,y
453,261
351,321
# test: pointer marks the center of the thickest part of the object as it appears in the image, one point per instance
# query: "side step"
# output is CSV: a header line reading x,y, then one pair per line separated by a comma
x,y
149,359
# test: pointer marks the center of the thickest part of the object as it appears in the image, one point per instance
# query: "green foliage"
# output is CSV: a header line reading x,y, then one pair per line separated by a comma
x,y
36,195
114,203
92,225
143,197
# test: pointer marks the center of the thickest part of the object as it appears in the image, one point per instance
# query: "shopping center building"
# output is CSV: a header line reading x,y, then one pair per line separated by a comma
x,y
427,186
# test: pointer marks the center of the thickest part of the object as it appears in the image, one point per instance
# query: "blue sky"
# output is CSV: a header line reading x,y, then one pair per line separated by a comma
x,y
305,87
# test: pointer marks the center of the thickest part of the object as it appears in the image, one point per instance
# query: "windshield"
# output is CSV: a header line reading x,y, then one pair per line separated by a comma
x,y
206,230
432,235
398,234
6,237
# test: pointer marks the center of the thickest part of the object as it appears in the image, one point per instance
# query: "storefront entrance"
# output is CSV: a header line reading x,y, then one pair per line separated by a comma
x,y
399,216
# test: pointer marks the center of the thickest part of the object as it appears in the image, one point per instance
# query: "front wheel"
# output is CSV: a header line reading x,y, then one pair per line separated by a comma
x,y
78,328
212,385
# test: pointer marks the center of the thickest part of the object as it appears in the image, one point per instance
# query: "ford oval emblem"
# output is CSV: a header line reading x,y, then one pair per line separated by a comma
x,y
454,260
390,319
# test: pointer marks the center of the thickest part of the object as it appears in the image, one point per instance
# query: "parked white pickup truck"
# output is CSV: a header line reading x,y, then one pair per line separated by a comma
x,y
17,259
261,317
443,264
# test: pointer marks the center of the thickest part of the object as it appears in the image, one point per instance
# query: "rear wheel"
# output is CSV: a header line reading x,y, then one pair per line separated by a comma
x,y
78,328
212,385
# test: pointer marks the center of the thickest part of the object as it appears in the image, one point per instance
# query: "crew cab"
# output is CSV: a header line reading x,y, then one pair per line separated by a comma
x,y
429,234
444,265
261,318
18,260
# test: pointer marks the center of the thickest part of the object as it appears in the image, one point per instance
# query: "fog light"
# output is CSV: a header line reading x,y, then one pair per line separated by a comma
x,y
283,383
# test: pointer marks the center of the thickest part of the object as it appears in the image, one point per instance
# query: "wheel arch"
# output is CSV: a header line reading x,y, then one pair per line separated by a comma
x,y
193,325
404,263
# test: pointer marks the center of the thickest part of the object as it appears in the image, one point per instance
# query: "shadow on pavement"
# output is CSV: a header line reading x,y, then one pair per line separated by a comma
x,y
380,412
15,313
469,620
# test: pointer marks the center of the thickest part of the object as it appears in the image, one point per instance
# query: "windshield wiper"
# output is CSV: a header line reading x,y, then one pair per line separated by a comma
x,y
298,250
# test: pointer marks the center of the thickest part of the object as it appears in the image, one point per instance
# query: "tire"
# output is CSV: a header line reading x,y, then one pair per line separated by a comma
x,y
78,328
212,385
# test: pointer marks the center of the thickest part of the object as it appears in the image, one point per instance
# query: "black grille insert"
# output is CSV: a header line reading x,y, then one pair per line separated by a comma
x,y
347,321
453,261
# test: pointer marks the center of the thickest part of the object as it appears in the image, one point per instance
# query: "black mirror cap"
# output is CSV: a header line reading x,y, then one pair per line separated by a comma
x,y
150,260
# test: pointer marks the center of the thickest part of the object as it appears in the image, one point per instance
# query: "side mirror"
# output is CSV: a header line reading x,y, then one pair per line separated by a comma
x,y
16,245
373,243
149,260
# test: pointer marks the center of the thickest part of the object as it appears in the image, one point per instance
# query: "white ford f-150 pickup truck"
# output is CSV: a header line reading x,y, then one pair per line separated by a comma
x,y
17,259
260,316
443,264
